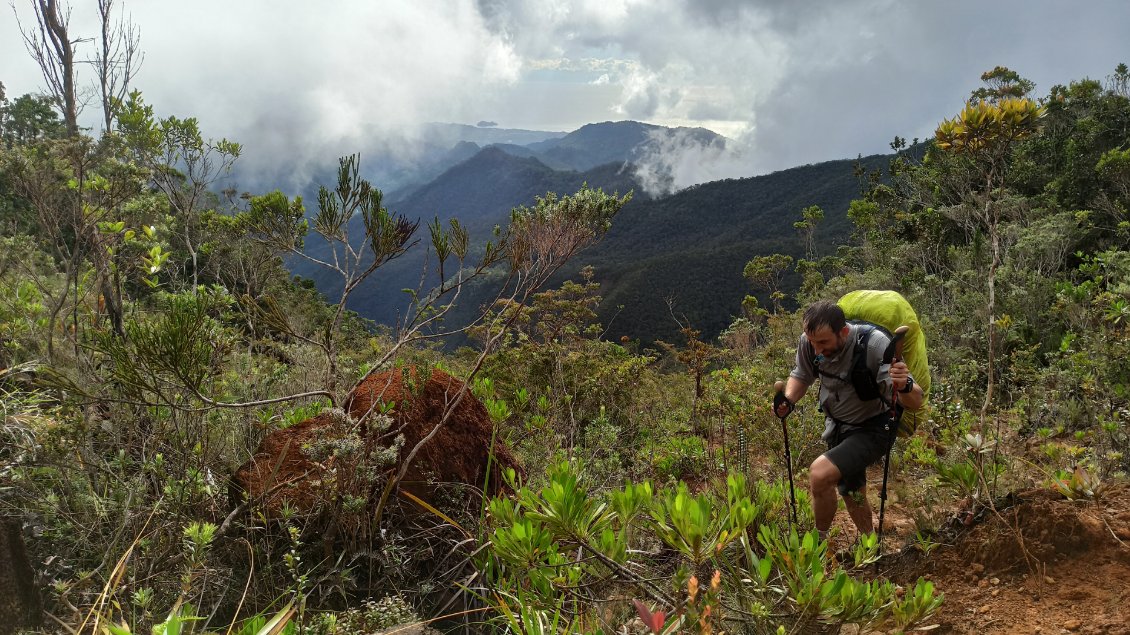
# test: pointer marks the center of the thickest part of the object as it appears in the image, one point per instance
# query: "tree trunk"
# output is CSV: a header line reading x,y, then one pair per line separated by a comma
x,y
994,262
55,25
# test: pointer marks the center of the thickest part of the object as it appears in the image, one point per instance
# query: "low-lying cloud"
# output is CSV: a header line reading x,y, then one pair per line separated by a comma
x,y
789,81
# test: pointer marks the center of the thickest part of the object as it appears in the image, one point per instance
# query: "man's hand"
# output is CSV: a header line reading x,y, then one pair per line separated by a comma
x,y
786,395
782,407
899,373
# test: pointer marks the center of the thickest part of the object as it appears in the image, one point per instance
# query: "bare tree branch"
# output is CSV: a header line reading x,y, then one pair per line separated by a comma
x,y
118,61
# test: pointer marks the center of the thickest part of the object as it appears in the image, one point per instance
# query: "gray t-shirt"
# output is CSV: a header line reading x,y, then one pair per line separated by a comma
x,y
837,395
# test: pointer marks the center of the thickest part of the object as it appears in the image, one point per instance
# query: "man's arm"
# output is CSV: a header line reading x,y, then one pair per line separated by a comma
x,y
794,390
800,379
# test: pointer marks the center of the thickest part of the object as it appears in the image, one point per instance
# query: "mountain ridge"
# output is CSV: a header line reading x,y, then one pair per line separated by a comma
x,y
689,246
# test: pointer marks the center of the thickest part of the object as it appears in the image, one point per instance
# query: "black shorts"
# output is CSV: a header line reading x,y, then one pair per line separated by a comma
x,y
852,450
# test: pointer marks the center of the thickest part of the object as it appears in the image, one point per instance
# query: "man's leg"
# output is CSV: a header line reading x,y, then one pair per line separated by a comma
x,y
860,510
823,476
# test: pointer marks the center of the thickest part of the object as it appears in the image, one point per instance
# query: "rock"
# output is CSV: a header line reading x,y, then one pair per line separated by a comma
x,y
995,581
977,568
1072,624
1048,579
984,609
995,592
983,583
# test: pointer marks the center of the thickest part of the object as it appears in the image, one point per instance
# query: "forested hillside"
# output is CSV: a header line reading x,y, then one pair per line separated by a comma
x,y
690,247
194,441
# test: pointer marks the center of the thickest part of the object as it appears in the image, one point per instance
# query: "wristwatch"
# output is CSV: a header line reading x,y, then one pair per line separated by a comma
x,y
909,385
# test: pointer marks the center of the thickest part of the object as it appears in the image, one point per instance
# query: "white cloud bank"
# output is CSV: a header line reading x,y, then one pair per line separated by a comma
x,y
792,81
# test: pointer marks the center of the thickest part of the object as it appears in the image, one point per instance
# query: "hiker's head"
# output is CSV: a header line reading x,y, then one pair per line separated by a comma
x,y
826,327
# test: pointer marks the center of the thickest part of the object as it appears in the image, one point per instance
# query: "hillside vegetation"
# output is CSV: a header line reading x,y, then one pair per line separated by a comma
x,y
151,338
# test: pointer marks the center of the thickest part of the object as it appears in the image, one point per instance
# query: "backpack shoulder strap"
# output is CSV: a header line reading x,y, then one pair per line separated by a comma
x,y
862,376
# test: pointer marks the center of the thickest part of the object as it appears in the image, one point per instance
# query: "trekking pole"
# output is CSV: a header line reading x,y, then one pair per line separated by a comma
x,y
891,355
778,399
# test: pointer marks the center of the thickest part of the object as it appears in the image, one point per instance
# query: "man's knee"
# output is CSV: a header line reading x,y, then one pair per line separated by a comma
x,y
823,474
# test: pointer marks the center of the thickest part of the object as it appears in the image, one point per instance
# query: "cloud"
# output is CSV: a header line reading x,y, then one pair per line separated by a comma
x,y
641,96
677,158
807,81
793,81
298,82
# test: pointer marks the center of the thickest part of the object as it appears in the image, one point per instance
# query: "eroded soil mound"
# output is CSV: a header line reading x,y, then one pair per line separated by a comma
x,y
291,464
1043,564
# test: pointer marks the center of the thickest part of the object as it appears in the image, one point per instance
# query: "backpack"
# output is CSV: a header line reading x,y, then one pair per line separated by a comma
x,y
887,310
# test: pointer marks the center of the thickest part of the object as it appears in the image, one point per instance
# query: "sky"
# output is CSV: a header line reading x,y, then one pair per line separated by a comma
x,y
789,81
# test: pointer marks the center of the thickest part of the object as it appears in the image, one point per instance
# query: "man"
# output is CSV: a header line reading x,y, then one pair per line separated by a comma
x,y
858,432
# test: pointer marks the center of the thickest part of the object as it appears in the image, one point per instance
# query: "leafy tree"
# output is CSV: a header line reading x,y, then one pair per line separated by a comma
x,y
27,119
984,133
183,165
1118,83
280,223
764,272
697,357
806,227
1002,83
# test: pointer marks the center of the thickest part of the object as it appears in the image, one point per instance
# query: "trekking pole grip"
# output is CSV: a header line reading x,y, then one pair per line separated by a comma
x,y
894,348
900,339
780,398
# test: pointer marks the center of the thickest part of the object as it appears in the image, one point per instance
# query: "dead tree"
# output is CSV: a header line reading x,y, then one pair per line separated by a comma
x,y
117,61
51,46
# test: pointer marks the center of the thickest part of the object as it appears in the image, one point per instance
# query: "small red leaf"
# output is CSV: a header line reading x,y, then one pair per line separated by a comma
x,y
653,621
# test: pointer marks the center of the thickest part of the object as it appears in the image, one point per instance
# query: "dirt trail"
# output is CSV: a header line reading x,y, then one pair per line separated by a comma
x,y
1043,564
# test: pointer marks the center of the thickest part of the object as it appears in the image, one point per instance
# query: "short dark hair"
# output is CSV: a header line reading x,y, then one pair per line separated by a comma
x,y
824,313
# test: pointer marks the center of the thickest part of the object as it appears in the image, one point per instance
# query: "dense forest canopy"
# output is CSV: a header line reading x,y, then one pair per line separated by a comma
x,y
151,337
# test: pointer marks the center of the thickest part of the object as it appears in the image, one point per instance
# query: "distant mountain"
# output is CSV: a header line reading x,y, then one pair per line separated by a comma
x,y
396,161
689,247
399,166
437,163
592,145
610,142
446,134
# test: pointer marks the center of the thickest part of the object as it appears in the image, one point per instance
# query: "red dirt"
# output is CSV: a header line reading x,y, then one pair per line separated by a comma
x,y
1044,564
456,454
